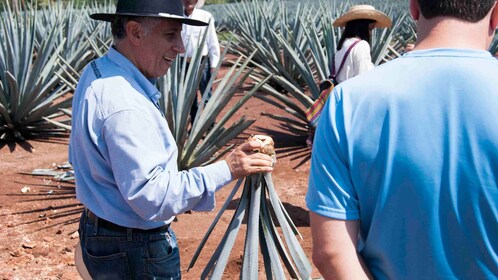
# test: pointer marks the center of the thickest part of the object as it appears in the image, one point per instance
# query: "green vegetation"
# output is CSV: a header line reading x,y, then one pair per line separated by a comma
x,y
288,46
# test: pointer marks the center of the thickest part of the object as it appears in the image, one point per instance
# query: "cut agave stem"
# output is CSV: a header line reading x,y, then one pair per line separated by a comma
x,y
260,202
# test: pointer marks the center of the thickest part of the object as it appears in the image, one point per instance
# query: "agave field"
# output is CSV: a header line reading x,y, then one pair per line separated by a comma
x,y
286,47
281,49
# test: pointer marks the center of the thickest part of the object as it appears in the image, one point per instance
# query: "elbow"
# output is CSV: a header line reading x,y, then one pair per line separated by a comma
x,y
329,263
322,260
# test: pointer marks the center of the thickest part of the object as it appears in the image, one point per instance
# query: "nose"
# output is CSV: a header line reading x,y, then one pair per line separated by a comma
x,y
179,47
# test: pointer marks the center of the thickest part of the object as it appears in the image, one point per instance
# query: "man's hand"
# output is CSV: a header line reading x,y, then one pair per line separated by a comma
x,y
245,160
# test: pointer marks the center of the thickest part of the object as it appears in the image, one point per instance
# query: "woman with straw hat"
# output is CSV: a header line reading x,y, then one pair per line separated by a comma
x,y
353,50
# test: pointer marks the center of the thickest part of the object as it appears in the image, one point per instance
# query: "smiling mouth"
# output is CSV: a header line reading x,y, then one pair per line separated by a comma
x,y
168,59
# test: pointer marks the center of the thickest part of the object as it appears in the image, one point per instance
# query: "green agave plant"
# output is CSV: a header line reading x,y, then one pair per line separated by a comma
x,y
99,34
33,88
298,53
206,140
259,204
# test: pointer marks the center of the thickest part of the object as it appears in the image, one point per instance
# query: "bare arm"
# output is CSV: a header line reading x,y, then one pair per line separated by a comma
x,y
335,248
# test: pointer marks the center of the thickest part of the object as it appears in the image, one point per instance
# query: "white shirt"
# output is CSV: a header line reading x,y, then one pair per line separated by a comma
x,y
192,35
358,61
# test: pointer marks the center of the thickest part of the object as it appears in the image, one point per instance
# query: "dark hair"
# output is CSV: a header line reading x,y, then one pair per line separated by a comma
x,y
469,10
119,24
356,28
118,27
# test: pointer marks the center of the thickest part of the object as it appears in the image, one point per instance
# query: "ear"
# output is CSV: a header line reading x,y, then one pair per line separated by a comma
x,y
414,9
133,31
494,17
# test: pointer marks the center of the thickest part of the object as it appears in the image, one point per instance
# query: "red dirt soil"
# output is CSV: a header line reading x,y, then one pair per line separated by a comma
x,y
39,227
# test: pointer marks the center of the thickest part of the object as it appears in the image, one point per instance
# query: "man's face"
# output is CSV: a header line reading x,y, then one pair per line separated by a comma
x,y
189,6
159,47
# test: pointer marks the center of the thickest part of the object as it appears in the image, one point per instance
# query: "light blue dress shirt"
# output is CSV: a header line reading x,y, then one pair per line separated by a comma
x,y
124,155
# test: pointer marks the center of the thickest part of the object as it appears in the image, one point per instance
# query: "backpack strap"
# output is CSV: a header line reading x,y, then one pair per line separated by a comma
x,y
334,74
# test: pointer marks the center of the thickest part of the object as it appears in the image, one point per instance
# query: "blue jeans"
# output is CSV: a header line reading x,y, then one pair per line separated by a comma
x,y
128,254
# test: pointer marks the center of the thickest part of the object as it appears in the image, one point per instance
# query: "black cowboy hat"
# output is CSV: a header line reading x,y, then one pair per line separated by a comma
x,y
172,9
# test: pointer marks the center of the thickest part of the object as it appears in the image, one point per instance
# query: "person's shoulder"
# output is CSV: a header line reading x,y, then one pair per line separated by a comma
x,y
115,94
362,44
203,13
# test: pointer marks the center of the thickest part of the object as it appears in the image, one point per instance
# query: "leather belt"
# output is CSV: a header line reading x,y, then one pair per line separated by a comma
x,y
112,226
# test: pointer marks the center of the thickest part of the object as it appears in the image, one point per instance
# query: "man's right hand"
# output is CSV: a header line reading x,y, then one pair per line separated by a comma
x,y
244,160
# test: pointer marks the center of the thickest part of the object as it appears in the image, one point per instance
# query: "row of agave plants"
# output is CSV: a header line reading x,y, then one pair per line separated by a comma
x,y
43,51
295,43
41,54
286,47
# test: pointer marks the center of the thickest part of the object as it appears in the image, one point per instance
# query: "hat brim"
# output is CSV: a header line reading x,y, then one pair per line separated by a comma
x,y
381,19
111,17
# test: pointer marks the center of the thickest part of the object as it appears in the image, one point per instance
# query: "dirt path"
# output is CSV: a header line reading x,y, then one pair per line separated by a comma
x,y
38,226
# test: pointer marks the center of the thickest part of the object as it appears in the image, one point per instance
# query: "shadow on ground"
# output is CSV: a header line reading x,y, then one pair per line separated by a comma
x,y
65,210
25,145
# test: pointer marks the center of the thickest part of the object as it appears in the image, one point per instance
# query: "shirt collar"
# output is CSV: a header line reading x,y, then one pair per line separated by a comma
x,y
448,52
147,86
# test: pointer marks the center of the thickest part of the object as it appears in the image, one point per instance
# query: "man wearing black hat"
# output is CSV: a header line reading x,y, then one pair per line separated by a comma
x,y
125,157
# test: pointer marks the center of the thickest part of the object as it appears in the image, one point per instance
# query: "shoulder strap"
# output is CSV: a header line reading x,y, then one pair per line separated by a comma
x,y
334,74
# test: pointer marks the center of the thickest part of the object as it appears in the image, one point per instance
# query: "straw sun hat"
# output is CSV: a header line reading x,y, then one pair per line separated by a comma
x,y
364,12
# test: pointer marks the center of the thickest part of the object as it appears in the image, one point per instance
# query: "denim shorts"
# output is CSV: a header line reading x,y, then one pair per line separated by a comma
x,y
124,254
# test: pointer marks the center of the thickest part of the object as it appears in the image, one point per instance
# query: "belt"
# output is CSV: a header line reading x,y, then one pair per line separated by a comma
x,y
112,226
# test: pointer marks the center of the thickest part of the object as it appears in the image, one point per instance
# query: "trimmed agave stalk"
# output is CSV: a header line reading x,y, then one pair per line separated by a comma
x,y
259,204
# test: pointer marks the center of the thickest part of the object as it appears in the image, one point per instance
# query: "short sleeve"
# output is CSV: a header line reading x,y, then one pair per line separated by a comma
x,y
331,192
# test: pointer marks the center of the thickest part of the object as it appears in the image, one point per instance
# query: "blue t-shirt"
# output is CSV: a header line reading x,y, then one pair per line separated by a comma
x,y
410,149
124,155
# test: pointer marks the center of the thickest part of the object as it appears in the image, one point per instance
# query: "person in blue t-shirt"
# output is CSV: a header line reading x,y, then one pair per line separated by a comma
x,y
404,178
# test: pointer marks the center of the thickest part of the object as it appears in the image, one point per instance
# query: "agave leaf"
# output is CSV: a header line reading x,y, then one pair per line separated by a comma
x,y
302,263
268,247
219,260
279,244
202,144
251,252
260,227
14,93
67,111
207,154
59,124
213,135
265,252
215,222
